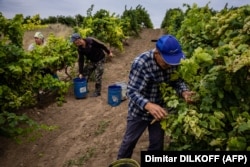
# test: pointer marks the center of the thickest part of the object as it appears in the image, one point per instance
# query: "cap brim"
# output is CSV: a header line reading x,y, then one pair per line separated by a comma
x,y
173,59
72,40
40,37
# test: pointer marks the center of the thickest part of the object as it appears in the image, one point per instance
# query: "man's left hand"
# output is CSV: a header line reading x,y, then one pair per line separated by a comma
x,y
110,54
187,95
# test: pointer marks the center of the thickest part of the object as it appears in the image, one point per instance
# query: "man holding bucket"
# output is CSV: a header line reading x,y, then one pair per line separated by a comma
x,y
93,50
148,70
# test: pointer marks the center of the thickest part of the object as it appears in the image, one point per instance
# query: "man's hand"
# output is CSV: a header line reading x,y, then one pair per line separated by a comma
x,y
187,95
110,54
156,111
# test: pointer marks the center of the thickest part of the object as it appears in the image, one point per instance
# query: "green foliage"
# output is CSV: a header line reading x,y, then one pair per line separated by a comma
x,y
102,126
21,77
65,20
20,127
82,159
11,31
33,23
218,71
192,33
111,28
57,53
9,124
172,21
143,18
103,26
227,26
15,90
137,18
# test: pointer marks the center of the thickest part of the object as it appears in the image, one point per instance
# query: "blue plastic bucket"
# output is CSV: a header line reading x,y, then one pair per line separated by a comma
x,y
124,89
80,87
114,95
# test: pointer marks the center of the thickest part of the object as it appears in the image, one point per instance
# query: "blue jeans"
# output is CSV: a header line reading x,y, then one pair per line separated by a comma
x,y
134,130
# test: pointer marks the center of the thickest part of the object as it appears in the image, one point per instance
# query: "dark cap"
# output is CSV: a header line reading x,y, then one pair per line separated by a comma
x,y
74,37
170,49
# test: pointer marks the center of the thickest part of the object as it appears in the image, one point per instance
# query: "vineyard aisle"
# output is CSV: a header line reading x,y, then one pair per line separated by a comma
x,y
89,130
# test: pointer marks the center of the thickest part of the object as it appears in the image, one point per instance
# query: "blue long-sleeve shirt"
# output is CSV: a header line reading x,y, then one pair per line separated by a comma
x,y
143,86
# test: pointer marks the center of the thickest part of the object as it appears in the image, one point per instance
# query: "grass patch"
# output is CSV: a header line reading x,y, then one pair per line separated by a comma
x,y
102,126
82,159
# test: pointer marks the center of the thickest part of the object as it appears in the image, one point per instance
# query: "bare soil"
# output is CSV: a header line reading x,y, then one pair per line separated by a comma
x,y
89,130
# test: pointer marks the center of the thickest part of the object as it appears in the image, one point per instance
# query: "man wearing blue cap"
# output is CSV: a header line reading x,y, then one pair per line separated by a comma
x,y
93,50
148,70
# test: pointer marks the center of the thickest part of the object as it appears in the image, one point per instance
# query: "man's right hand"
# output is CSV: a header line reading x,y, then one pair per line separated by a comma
x,y
156,111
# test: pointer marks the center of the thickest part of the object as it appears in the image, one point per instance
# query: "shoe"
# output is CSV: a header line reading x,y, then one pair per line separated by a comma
x,y
96,94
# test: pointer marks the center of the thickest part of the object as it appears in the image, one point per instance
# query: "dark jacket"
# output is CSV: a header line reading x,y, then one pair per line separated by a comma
x,y
94,51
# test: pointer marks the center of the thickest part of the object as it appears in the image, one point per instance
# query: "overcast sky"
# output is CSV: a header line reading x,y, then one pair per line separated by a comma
x,y
155,8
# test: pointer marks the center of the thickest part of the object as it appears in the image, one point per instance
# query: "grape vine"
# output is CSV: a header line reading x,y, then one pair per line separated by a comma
x,y
217,69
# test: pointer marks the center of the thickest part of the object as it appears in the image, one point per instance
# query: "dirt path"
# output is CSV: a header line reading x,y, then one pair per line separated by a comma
x,y
89,130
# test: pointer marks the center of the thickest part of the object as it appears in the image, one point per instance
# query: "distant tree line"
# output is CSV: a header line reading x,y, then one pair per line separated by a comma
x,y
65,20
138,17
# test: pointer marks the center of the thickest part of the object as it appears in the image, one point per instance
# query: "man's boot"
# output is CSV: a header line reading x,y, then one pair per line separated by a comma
x,y
97,90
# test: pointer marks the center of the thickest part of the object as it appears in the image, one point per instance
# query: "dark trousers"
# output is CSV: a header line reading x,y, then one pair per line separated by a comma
x,y
135,128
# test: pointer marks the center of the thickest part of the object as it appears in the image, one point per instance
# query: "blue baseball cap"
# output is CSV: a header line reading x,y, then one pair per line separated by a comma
x,y
74,37
170,49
